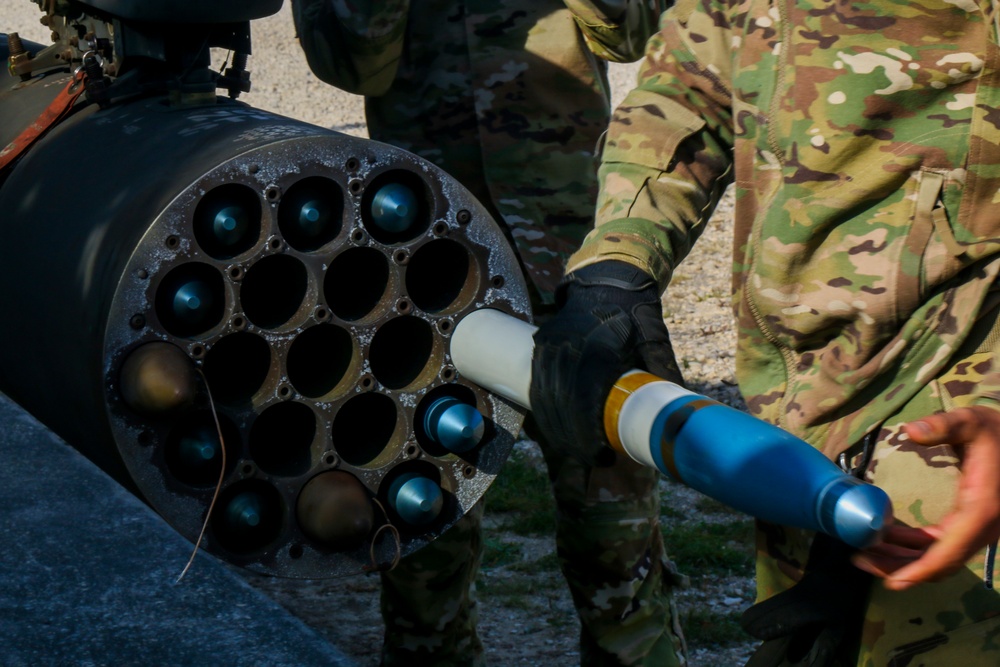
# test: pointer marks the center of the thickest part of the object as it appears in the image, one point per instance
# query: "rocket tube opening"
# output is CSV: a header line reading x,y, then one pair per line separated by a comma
x,y
227,220
273,290
249,517
355,283
395,207
319,360
310,214
441,277
400,352
193,453
190,299
236,367
281,439
365,427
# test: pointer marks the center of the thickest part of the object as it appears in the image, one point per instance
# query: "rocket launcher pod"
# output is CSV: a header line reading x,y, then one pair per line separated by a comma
x,y
297,282
724,453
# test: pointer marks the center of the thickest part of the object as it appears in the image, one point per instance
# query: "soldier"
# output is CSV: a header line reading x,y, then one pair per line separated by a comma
x,y
511,98
863,142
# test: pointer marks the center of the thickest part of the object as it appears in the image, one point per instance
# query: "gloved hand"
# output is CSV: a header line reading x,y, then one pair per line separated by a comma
x,y
816,620
610,321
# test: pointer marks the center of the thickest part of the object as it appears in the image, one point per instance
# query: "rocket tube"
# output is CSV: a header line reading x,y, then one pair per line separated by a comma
x,y
726,454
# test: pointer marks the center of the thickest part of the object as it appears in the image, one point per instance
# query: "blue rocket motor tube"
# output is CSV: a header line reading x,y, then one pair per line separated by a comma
x,y
740,460
728,455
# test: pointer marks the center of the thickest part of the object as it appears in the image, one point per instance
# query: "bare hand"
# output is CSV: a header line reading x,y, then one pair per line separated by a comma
x,y
909,556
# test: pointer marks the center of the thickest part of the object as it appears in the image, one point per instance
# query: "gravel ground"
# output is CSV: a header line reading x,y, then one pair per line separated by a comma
x,y
544,630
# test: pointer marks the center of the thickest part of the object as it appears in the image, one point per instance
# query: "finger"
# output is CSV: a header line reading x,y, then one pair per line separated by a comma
x,y
882,566
954,427
910,537
900,546
975,520
893,551
966,534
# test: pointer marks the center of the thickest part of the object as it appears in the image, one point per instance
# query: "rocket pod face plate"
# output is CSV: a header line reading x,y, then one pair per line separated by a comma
x,y
312,283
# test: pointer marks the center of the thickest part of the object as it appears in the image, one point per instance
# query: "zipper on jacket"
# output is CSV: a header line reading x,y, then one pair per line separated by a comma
x,y
783,349
779,85
757,231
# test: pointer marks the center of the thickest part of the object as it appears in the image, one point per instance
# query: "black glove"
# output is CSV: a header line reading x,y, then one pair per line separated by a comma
x,y
816,622
610,321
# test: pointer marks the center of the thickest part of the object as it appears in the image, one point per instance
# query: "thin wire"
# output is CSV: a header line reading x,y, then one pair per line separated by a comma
x,y
218,486
395,533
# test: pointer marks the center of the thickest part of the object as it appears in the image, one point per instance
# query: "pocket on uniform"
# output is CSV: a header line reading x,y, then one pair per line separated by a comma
x,y
963,233
932,255
647,130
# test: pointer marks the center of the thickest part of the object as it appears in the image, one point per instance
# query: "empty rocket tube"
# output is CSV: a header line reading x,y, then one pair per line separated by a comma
x,y
726,454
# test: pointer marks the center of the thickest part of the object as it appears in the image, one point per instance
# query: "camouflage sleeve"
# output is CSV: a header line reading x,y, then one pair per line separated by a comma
x,y
668,153
617,30
351,44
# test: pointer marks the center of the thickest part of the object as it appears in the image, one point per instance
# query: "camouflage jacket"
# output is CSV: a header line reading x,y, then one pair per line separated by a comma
x,y
503,94
864,142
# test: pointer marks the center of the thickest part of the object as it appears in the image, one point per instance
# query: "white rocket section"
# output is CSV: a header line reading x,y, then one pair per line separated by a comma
x,y
493,349
637,414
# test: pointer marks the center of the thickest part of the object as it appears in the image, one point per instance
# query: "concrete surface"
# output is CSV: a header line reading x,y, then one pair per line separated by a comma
x,y
88,575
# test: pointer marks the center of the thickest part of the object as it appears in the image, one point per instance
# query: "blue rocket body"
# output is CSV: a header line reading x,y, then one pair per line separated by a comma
x,y
762,470
729,455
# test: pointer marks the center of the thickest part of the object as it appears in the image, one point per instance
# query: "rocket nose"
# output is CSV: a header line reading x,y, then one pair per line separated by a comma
x,y
860,513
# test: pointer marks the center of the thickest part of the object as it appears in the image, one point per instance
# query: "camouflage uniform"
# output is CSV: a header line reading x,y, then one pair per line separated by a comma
x,y
864,143
507,96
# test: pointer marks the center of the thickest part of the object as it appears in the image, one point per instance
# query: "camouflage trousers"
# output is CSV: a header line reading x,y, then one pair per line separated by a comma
x,y
952,622
611,552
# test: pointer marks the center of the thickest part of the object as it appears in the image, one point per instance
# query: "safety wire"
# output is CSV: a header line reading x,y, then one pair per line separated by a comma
x,y
218,486
396,538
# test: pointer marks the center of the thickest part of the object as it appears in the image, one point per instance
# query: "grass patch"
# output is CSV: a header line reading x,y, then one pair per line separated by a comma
x,y
516,591
707,549
668,511
498,554
522,495
704,628
547,563
706,505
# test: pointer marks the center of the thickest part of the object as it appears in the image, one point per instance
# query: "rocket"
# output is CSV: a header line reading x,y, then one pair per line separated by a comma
x,y
724,453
